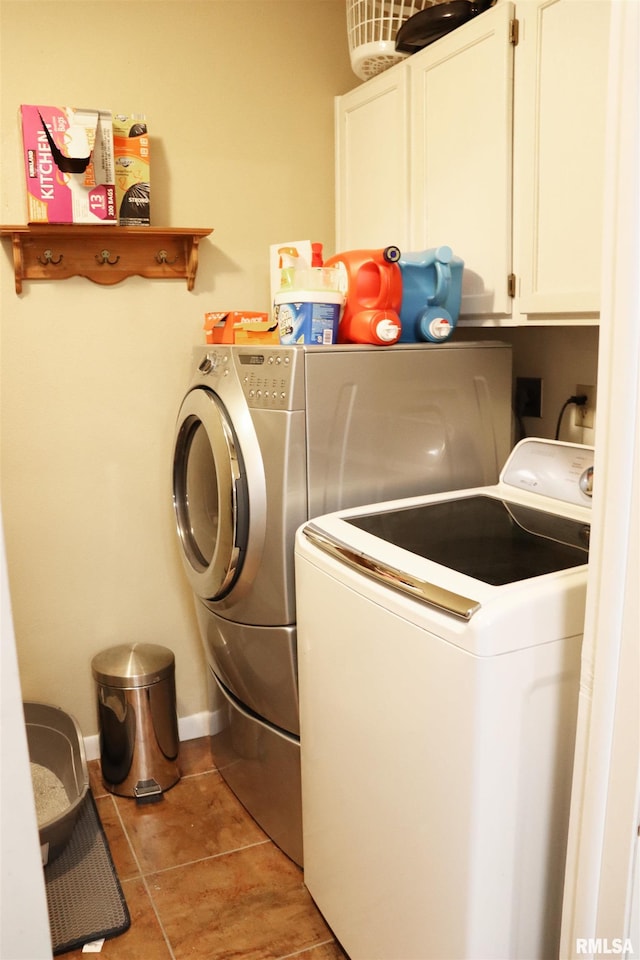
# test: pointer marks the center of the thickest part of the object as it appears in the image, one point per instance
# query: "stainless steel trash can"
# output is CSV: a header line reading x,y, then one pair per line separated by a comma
x,y
137,715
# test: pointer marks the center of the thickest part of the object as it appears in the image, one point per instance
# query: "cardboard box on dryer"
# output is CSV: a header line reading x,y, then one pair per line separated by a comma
x,y
237,326
68,162
132,154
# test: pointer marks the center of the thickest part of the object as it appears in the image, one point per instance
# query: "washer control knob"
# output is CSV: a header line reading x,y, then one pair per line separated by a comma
x,y
586,482
206,364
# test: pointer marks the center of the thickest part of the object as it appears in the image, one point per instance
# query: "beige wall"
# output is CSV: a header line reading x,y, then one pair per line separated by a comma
x,y
563,357
239,100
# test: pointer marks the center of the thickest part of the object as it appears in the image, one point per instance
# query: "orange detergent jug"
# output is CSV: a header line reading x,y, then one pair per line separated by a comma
x,y
371,281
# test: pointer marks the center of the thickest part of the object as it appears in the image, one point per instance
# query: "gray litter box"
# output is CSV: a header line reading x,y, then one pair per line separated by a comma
x,y
55,742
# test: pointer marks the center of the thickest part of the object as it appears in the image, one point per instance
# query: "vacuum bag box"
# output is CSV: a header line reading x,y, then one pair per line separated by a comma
x,y
68,161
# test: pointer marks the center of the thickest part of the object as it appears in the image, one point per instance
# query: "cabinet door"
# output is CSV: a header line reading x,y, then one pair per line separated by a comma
x,y
461,117
559,119
372,163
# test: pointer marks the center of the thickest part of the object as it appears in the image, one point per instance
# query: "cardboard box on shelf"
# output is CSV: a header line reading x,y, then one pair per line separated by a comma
x,y
132,155
68,162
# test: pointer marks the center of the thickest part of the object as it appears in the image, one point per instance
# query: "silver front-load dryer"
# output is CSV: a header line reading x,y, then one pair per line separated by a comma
x,y
232,446
268,437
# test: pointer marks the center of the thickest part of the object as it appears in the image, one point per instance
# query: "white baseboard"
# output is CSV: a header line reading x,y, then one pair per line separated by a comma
x,y
202,724
92,747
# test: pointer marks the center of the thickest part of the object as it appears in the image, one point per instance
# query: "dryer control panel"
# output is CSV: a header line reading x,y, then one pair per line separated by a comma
x,y
266,378
266,375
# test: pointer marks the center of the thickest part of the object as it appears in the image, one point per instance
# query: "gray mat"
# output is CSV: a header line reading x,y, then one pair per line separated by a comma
x,y
84,895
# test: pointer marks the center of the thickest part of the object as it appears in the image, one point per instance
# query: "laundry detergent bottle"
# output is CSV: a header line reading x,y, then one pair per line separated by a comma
x,y
431,294
372,285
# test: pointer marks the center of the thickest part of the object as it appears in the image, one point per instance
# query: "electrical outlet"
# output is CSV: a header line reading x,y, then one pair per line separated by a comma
x,y
585,415
529,396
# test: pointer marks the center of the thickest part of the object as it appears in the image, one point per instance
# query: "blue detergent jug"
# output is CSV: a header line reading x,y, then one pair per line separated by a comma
x,y
431,294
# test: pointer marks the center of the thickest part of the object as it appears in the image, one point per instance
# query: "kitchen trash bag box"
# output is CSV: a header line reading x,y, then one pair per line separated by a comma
x,y
68,161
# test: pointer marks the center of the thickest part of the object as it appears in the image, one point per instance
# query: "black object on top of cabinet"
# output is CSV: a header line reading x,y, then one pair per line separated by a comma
x,y
429,25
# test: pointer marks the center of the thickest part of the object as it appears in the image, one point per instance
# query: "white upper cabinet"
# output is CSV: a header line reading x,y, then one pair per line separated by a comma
x,y
372,164
490,140
461,154
559,140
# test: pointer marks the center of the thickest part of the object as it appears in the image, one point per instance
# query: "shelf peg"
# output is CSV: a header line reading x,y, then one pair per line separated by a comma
x,y
163,257
48,257
105,257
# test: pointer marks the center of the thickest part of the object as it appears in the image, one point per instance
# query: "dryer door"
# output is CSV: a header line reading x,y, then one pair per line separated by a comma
x,y
209,495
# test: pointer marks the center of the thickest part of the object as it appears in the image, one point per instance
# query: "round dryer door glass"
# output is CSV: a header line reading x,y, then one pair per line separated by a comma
x,y
209,495
201,497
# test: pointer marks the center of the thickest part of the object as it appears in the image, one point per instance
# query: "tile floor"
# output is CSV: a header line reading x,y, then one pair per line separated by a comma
x,y
201,879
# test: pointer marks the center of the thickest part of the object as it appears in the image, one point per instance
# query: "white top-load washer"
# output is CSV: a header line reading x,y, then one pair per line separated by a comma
x,y
439,643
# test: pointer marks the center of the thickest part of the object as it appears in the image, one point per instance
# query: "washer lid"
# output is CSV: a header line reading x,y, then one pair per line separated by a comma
x,y
133,665
484,537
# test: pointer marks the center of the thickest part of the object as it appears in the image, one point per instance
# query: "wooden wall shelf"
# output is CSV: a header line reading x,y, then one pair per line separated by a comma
x,y
104,254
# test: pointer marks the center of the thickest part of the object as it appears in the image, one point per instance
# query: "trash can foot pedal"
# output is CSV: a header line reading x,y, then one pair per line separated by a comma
x,y
147,791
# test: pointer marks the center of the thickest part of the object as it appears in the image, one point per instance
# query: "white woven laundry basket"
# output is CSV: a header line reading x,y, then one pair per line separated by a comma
x,y
372,26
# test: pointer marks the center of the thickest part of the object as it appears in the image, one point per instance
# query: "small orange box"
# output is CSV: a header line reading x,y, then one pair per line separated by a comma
x,y
240,327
